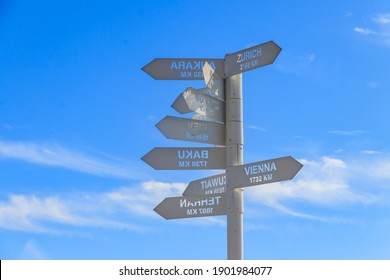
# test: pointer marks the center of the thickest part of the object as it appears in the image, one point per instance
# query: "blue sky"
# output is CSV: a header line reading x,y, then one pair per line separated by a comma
x,y
77,113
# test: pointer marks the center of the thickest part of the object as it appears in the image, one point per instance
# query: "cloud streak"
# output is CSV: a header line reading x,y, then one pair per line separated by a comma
x,y
142,200
57,156
256,127
364,31
23,213
118,209
304,65
328,182
382,18
380,29
347,132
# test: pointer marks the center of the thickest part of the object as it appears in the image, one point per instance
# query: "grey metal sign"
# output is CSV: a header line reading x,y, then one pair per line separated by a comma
x,y
210,185
213,80
192,130
251,58
186,158
192,206
181,68
192,100
263,172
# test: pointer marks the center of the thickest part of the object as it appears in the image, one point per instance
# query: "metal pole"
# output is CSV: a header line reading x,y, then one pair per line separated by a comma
x,y
234,156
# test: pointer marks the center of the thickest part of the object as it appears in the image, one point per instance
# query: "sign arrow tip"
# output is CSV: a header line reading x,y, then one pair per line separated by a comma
x,y
180,105
149,69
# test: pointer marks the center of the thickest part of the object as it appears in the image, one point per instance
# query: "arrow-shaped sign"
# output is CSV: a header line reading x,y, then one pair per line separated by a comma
x,y
192,206
210,185
192,130
186,158
192,100
251,58
181,68
213,80
263,172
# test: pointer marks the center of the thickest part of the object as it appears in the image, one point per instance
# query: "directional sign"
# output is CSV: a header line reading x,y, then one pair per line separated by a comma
x,y
186,158
192,130
192,100
213,80
251,58
211,185
181,68
192,206
263,172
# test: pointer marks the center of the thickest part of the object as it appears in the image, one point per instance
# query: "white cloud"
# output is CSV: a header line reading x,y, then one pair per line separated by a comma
x,y
309,57
32,251
330,163
304,65
327,182
382,19
21,213
347,132
371,152
374,85
58,156
123,208
6,126
256,127
373,170
143,200
349,14
48,214
380,29
365,31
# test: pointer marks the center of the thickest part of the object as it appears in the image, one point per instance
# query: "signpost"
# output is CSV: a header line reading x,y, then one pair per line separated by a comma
x,y
192,130
207,106
192,206
181,68
186,158
220,194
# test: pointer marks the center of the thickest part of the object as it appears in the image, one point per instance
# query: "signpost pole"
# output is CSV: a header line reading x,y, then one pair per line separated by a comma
x,y
234,157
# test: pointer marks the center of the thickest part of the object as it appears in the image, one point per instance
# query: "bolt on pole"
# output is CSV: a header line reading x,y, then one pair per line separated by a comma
x,y
234,157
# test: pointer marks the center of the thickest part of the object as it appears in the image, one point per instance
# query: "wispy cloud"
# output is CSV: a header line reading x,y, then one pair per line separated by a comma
x,y
122,208
347,132
6,126
32,251
143,200
382,18
310,57
374,170
323,181
256,127
365,31
327,182
380,28
26,213
58,156
374,85
304,65
371,152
